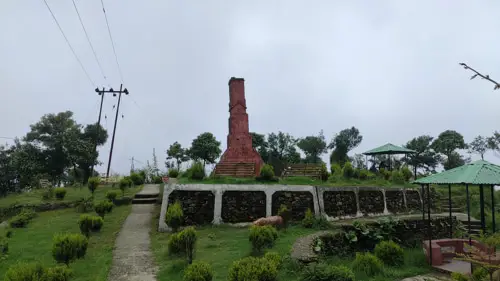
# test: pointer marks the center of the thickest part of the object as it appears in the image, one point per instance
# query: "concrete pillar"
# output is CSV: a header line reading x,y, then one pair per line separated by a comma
x,y
386,212
316,200
269,202
358,213
404,199
217,206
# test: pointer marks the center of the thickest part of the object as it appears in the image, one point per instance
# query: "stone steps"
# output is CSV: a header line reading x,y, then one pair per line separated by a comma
x,y
235,169
145,198
302,170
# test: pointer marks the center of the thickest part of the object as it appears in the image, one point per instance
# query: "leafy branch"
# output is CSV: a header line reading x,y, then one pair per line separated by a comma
x,y
487,77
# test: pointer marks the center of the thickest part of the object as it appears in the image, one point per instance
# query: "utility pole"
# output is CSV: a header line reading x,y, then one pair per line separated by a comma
x,y
132,168
124,91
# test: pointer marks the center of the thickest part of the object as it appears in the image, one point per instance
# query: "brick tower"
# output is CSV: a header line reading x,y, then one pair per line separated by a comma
x,y
240,159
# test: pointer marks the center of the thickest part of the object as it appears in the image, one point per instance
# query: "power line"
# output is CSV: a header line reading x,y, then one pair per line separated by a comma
x,y
88,40
111,38
69,44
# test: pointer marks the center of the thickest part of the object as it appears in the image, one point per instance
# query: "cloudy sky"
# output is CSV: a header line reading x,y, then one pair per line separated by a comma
x,y
389,68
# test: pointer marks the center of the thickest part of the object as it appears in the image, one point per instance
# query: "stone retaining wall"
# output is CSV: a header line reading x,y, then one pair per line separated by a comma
x,y
219,203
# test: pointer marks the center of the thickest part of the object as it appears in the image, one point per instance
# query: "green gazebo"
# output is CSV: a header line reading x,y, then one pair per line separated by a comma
x,y
480,173
389,149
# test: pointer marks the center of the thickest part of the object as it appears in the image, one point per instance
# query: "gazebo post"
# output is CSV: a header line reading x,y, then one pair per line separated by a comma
x,y
449,206
429,230
468,207
481,207
423,201
493,208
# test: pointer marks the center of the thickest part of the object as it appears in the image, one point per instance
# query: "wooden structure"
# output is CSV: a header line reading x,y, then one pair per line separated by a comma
x,y
302,170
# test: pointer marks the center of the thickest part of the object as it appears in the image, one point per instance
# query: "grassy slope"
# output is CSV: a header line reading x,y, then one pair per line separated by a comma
x,y
34,243
73,194
231,244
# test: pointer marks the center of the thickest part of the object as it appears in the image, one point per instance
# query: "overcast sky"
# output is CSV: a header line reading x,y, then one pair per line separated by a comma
x,y
390,68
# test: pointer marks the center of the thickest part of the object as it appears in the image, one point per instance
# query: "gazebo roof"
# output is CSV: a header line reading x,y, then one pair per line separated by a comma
x,y
389,149
478,172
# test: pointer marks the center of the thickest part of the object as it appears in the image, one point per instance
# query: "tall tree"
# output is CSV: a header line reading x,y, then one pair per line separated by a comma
x,y
313,147
342,143
447,142
282,146
425,157
479,146
205,147
260,144
178,153
455,160
7,173
493,142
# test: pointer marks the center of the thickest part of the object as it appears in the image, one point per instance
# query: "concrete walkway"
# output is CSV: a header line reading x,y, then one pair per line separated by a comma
x,y
132,258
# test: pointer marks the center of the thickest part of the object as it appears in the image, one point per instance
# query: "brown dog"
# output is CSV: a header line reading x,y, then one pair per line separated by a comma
x,y
274,221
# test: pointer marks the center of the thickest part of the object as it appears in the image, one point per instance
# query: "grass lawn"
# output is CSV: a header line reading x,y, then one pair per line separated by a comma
x,y
73,194
230,244
34,243
332,181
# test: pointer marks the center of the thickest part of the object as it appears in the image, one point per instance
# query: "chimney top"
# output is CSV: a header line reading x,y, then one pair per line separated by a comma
x,y
234,79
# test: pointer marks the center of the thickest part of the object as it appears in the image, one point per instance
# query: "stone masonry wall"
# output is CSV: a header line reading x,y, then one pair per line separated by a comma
x,y
395,201
413,201
198,206
243,206
371,201
296,201
340,203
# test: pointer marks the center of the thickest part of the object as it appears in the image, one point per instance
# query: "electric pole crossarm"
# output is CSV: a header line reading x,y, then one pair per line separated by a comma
x,y
124,91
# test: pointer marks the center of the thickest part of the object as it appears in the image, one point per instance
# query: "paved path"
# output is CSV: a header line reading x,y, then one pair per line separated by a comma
x,y
429,277
132,258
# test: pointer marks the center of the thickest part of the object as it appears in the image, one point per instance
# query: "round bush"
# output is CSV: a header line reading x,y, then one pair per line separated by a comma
x,y
25,272
285,213
60,192
323,272
197,171
58,273
267,172
19,221
103,208
274,258
262,237
69,247
188,237
124,183
89,224
4,246
175,245
93,183
174,216
111,195
137,179
198,271
173,173
252,268
348,170
308,221
390,253
407,174
367,263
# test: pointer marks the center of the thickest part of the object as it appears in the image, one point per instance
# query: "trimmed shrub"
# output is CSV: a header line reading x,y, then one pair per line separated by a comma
x,y
174,216
175,245
273,257
457,276
196,171
188,237
308,221
198,271
390,253
267,172
324,272
136,179
251,268
85,205
58,273
286,214
93,183
367,263
172,173
348,170
22,219
336,169
4,246
89,224
25,272
124,183
103,208
69,247
407,174
111,195
324,172
262,237
60,192
48,194
385,174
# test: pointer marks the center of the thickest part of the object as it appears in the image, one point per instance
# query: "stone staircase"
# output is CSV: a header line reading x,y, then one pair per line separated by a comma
x,y
237,170
145,198
455,208
445,207
302,170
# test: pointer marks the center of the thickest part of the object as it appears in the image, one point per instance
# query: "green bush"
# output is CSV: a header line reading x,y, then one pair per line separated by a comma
x,y
174,216
407,174
336,169
93,183
198,271
173,173
457,276
60,192
4,246
274,258
386,175
267,172
397,177
137,179
48,194
390,253
25,272
22,219
308,221
286,214
252,269
111,195
157,179
262,237
69,247
89,224
196,171
367,263
326,272
124,183
188,237
356,173
324,172
174,245
58,273
103,208
348,170
85,205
